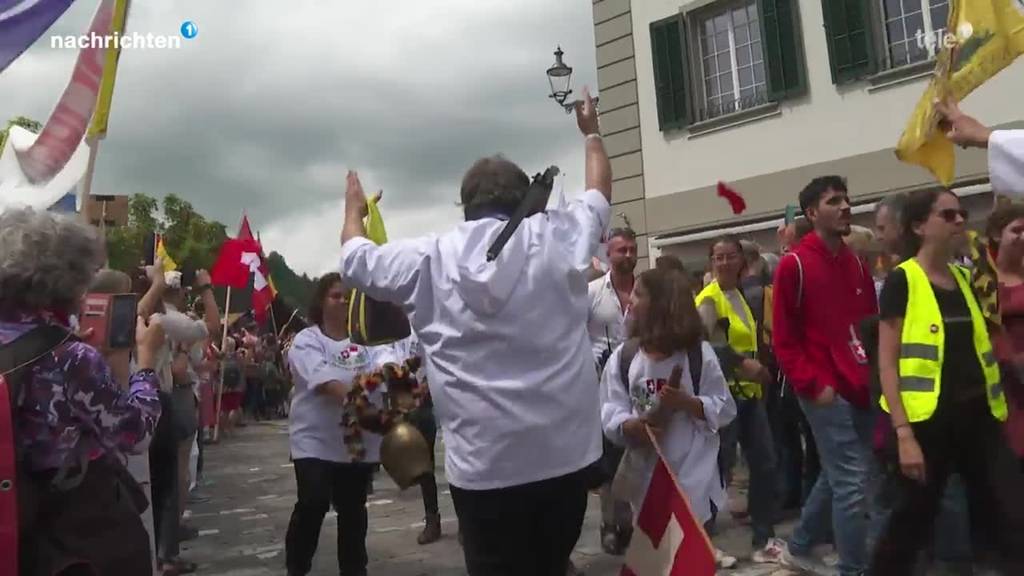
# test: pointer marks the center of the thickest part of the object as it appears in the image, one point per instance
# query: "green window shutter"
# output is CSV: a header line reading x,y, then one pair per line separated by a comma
x,y
668,47
848,31
783,49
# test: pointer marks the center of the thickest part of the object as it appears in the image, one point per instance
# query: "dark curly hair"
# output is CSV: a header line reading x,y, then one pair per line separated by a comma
x,y
323,287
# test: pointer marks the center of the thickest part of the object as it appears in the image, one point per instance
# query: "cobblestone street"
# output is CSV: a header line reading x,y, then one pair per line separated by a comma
x,y
251,487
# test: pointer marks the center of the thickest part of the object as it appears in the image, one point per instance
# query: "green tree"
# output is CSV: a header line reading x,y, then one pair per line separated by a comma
x,y
26,123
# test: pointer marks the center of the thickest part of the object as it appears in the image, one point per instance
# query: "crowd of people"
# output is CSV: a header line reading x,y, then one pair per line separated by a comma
x,y
883,403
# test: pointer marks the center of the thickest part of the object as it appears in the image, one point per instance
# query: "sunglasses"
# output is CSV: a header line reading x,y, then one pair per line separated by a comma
x,y
950,214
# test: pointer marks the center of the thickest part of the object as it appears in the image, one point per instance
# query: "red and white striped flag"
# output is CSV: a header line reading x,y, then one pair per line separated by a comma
x,y
668,540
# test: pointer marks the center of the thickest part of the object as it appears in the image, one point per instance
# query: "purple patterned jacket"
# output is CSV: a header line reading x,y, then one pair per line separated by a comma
x,y
72,408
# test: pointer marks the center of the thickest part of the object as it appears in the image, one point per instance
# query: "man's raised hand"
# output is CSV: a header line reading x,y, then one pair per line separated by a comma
x,y
586,114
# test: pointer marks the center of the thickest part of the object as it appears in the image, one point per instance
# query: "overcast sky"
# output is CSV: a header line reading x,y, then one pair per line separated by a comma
x,y
270,104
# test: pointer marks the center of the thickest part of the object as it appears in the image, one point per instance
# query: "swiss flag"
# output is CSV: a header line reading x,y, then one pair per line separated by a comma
x,y
668,540
233,266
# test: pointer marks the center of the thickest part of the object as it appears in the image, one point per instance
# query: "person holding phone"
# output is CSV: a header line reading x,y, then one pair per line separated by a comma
x,y
74,423
166,300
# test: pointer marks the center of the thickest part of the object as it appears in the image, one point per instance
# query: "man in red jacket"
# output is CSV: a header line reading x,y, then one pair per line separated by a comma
x,y
822,292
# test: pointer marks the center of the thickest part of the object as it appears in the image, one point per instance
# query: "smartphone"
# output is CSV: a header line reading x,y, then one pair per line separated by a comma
x,y
790,214
149,249
112,319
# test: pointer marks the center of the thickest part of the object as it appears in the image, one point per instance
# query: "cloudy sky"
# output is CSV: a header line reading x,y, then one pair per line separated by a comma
x,y
270,104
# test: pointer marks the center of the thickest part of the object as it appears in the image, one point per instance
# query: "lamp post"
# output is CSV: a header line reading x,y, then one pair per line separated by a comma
x,y
560,79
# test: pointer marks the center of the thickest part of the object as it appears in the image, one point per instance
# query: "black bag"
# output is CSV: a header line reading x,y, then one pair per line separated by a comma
x,y
87,515
373,322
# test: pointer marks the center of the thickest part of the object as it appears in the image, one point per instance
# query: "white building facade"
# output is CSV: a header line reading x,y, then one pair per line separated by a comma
x,y
766,95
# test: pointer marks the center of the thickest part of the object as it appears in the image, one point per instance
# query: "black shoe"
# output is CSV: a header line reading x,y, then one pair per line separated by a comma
x,y
431,531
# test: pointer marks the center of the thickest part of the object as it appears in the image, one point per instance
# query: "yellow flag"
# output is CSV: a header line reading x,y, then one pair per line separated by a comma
x,y
98,127
161,252
984,37
375,223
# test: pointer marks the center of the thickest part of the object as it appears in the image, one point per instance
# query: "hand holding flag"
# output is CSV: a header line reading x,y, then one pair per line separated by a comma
x,y
960,128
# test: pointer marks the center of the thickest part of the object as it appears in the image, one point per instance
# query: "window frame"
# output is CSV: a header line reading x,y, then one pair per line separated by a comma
x,y
884,64
699,99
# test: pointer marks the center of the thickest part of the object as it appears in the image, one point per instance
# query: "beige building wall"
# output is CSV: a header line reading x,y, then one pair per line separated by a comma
x,y
850,130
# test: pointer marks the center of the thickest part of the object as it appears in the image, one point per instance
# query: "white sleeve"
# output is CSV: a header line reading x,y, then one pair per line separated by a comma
x,y
578,228
1006,162
719,407
390,272
181,329
308,361
616,406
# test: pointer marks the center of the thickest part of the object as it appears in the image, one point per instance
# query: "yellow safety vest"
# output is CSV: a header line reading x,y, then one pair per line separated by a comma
x,y
922,347
741,338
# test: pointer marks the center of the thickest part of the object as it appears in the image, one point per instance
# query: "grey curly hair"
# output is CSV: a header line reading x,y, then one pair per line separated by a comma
x,y
47,261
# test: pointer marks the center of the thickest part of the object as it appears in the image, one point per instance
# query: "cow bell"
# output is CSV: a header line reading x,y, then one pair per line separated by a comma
x,y
405,455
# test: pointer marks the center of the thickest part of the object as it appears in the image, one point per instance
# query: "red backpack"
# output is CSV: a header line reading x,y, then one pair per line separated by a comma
x,y
15,357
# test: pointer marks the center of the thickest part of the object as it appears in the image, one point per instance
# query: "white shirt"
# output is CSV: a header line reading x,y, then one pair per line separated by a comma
x,y
508,359
606,323
690,446
1006,162
314,421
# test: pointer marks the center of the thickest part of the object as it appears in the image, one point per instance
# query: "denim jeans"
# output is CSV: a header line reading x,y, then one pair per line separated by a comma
x,y
840,497
754,435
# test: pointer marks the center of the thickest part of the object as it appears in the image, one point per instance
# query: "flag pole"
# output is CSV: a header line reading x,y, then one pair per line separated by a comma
x,y
94,145
223,363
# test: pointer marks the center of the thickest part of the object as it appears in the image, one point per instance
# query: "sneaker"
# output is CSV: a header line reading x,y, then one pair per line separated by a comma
x,y
770,554
723,560
806,564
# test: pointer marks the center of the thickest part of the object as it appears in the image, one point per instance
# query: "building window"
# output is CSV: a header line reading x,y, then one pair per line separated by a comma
x,y
727,58
731,61
914,30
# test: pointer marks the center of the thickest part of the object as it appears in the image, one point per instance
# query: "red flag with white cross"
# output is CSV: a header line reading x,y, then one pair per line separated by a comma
x,y
668,540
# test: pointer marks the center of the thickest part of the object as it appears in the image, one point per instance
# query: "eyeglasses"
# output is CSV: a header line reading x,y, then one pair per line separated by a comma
x,y
723,258
950,214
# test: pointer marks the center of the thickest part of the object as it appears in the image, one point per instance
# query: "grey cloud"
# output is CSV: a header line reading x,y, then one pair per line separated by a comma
x,y
266,109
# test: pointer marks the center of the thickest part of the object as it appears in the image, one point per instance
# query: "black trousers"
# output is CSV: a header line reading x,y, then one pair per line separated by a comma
x,y
320,484
798,463
163,472
527,529
966,439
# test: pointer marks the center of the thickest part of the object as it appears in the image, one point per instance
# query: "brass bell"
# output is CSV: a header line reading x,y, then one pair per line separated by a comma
x,y
405,454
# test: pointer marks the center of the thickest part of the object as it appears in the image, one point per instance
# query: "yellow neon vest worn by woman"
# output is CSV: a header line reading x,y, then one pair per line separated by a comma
x,y
741,338
922,347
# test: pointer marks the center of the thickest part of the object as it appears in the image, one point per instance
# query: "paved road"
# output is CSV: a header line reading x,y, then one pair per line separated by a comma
x,y
252,490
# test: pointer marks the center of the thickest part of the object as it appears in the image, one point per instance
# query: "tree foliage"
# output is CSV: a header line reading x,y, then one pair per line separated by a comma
x,y
26,123
193,242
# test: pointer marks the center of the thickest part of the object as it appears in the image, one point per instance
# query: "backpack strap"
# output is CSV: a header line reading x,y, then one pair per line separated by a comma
x,y
19,354
630,348
695,357
800,284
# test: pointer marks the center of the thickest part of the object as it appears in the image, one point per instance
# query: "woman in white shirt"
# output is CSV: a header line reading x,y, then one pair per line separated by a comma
x,y
664,326
329,466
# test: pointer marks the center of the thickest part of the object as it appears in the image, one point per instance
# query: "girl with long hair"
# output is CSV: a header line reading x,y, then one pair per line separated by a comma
x,y
665,330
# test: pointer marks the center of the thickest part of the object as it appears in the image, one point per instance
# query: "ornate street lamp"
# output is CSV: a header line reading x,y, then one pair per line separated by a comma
x,y
560,78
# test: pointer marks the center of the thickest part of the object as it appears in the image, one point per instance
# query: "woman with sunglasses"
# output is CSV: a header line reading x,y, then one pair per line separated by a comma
x,y
729,321
941,389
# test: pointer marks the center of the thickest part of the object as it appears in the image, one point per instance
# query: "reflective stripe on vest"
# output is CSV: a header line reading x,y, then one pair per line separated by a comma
x,y
740,337
922,347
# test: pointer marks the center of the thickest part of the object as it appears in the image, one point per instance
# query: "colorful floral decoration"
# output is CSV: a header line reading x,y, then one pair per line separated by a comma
x,y
402,394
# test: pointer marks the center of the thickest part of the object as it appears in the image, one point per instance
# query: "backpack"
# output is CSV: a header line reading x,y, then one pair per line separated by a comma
x,y
694,357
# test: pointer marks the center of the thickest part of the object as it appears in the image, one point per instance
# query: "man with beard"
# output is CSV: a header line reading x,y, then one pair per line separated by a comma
x,y
606,325
822,293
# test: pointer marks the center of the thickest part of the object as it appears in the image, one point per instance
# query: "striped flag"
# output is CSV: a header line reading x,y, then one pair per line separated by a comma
x,y
98,127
